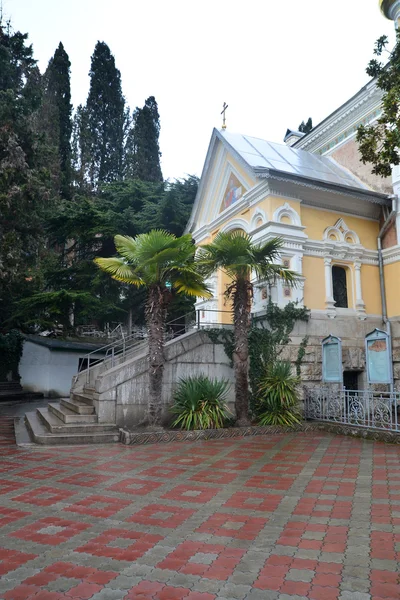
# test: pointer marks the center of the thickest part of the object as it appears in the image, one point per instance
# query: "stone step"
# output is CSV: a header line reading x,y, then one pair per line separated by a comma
x,y
69,416
56,425
82,398
81,408
41,435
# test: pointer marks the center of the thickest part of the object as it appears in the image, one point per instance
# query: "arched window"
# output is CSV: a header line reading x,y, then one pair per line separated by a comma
x,y
339,282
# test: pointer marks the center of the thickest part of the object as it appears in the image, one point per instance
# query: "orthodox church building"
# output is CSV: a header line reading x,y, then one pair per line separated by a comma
x,y
340,226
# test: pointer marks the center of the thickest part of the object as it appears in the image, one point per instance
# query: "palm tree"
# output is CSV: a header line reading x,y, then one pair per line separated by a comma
x,y
235,254
158,261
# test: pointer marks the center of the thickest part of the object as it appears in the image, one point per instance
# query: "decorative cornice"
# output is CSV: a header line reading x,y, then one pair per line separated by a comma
x,y
341,251
391,255
363,108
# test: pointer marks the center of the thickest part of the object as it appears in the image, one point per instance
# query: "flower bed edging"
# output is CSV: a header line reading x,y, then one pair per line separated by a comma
x,y
132,438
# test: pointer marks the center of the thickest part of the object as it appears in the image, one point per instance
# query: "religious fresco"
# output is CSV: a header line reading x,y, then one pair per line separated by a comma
x,y
234,191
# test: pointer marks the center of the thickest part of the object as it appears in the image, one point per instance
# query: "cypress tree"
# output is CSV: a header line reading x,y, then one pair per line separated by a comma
x,y
306,127
105,117
55,115
146,150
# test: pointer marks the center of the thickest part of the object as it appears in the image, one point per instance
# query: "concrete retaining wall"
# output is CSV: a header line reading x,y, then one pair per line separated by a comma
x,y
122,392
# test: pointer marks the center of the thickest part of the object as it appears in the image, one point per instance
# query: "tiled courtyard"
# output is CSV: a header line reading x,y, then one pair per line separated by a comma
x,y
284,517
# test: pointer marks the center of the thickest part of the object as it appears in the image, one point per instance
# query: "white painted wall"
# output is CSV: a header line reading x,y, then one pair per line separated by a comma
x,y
48,371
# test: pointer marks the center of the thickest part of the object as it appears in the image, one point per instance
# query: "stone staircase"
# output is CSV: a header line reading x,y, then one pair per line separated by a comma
x,y
70,421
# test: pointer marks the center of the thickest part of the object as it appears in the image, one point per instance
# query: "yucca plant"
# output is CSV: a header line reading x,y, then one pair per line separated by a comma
x,y
278,396
200,403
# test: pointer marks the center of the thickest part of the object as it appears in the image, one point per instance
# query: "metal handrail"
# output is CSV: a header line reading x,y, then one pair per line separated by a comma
x,y
114,350
108,350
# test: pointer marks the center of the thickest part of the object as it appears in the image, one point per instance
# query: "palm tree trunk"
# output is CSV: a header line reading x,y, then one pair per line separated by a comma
x,y
241,321
155,317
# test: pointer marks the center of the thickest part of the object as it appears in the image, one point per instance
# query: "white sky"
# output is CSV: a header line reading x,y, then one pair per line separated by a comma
x,y
275,62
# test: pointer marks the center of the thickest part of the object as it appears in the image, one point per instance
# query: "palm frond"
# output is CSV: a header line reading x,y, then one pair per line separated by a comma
x,y
119,270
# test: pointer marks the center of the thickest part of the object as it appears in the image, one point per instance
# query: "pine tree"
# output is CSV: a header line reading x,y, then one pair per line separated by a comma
x,y
105,116
146,149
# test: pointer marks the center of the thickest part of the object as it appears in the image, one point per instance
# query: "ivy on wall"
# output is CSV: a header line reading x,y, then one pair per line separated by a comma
x,y
269,335
10,353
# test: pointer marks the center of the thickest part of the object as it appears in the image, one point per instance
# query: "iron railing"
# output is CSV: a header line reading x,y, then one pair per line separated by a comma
x,y
127,346
360,408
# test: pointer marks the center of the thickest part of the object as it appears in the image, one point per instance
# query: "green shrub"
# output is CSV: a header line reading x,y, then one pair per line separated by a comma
x,y
278,397
200,403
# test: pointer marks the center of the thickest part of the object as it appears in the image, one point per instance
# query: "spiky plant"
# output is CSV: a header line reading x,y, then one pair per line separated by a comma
x,y
200,403
278,396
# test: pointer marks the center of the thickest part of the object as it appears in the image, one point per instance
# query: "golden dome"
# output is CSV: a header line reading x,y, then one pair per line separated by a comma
x,y
385,6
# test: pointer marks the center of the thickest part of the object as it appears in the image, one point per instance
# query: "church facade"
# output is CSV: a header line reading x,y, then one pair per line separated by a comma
x,y
340,226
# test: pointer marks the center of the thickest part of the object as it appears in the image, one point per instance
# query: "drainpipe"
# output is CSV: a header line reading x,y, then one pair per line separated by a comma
x,y
382,286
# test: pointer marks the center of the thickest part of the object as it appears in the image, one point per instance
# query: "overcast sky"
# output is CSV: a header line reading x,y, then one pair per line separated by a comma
x,y
275,62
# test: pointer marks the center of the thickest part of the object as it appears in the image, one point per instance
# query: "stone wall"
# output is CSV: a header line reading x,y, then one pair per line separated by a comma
x,y
122,392
348,156
352,332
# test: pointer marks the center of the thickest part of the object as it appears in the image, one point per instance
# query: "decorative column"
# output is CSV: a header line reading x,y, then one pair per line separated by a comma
x,y
360,306
329,301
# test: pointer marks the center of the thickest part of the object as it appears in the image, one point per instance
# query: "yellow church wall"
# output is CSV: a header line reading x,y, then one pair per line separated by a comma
x,y
371,289
316,221
271,203
392,283
314,286
223,305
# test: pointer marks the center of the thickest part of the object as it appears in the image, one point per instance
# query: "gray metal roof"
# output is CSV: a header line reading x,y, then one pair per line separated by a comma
x,y
67,345
260,154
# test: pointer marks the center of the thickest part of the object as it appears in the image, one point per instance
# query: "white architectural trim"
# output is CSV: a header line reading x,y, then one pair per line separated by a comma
x,y
235,224
286,211
363,108
341,233
259,214
359,302
391,255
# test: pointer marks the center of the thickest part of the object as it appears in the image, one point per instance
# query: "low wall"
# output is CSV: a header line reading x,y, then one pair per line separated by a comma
x,y
124,389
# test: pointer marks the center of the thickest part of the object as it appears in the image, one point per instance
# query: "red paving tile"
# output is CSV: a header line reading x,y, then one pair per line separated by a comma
x,y
191,493
98,506
173,516
105,544
217,500
44,496
240,527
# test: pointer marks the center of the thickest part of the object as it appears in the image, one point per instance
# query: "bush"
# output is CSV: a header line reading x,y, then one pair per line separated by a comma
x,y
200,403
278,397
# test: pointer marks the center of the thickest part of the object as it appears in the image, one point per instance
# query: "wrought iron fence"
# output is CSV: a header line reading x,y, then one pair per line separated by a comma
x,y
361,408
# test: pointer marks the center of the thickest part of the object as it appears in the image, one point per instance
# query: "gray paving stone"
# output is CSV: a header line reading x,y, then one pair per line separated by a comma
x,y
354,596
354,584
262,595
109,594
231,590
300,575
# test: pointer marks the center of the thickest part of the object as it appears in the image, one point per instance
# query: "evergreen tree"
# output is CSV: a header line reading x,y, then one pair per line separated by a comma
x,y
105,118
144,140
379,143
57,103
306,127
24,187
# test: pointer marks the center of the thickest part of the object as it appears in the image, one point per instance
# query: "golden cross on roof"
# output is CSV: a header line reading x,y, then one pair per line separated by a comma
x,y
224,117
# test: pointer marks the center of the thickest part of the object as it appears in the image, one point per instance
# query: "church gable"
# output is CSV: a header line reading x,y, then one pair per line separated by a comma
x,y
224,183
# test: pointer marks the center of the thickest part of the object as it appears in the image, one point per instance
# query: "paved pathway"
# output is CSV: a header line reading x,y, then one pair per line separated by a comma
x,y
286,517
